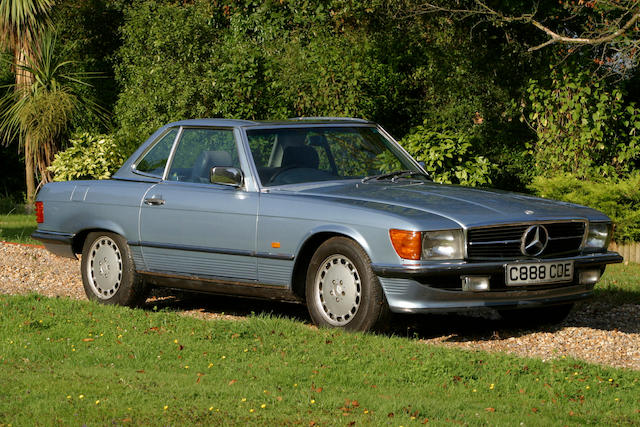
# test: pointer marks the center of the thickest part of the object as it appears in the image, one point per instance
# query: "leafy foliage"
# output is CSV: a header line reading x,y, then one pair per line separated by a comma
x,y
449,156
22,20
620,199
275,60
583,127
88,157
88,32
41,111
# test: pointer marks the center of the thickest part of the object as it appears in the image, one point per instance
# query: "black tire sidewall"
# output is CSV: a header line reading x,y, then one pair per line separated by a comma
x,y
131,291
373,306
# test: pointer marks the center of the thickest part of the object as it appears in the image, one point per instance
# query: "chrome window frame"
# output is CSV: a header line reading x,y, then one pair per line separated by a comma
x,y
151,146
249,182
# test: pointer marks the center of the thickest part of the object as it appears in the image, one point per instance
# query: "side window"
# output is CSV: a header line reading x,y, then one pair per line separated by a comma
x,y
155,160
201,149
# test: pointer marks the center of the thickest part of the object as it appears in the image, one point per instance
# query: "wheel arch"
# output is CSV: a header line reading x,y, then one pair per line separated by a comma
x,y
81,236
309,246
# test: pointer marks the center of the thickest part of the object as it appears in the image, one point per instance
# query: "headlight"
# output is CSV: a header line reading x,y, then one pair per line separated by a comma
x,y
437,245
598,236
444,244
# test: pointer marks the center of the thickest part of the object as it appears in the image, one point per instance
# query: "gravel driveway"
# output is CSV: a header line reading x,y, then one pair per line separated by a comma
x,y
608,335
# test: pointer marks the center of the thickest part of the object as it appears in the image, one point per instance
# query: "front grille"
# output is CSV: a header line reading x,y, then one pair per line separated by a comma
x,y
501,242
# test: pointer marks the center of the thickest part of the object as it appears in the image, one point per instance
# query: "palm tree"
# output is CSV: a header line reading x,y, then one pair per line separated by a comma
x,y
40,112
21,23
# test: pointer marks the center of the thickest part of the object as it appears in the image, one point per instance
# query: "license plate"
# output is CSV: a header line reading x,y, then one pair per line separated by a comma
x,y
539,273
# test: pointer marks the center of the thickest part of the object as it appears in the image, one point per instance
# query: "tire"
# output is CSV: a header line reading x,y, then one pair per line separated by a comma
x,y
341,289
108,272
551,315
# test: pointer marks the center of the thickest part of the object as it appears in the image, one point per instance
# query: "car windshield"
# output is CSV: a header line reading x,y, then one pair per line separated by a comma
x,y
308,154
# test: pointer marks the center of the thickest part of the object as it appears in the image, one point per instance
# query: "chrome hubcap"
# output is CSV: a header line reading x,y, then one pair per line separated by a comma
x,y
104,267
337,289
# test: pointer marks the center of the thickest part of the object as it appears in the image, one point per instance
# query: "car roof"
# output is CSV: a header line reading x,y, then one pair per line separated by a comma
x,y
298,121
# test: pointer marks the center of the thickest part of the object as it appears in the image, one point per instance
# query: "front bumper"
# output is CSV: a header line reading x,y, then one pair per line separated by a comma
x,y
418,288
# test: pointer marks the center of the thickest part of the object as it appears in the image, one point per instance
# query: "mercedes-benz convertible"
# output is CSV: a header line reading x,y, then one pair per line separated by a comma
x,y
331,212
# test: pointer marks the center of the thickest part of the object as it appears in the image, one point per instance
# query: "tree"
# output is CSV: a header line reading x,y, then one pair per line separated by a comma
x,y
21,23
40,112
610,27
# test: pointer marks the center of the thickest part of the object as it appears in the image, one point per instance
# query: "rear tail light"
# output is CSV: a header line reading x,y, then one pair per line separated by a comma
x,y
39,212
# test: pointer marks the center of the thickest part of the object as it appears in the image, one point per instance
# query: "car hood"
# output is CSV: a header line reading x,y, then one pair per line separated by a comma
x,y
466,206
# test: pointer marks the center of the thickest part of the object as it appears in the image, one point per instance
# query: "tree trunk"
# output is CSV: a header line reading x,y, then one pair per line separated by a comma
x,y
29,172
24,80
44,158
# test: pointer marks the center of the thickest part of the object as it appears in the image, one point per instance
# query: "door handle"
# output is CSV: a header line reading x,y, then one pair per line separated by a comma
x,y
154,201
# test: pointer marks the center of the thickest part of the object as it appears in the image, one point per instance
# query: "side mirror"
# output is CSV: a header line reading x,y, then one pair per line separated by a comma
x,y
225,175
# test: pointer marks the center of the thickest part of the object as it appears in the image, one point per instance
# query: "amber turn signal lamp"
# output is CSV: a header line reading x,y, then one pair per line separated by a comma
x,y
39,212
408,244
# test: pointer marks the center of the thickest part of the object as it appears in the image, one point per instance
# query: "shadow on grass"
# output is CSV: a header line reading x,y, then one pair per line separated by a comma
x,y
223,305
598,313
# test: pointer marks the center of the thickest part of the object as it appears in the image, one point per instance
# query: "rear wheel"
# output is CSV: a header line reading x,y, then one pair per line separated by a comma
x,y
108,272
341,289
537,316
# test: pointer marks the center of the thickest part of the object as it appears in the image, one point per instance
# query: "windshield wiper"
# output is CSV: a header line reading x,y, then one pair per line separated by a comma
x,y
394,175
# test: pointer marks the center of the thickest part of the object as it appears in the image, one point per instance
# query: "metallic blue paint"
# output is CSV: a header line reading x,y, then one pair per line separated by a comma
x,y
253,235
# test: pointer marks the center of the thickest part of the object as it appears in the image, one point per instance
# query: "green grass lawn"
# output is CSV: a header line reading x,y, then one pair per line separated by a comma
x,y
79,363
17,228
620,284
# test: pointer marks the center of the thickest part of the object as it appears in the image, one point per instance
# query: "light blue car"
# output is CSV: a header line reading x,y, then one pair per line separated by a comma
x,y
331,212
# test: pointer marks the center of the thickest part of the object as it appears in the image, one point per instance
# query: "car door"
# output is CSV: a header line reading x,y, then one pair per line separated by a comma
x,y
190,227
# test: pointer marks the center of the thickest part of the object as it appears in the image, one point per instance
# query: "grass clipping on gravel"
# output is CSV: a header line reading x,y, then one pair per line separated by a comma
x,y
76,362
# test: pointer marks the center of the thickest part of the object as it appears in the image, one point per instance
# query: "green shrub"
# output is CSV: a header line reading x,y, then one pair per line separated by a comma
x,y
88,157
583,127
449,156
620,199
273,60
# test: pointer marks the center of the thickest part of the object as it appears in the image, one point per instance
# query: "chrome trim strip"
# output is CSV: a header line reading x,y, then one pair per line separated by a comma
x,y
188,248
269,255
546,221
506,242
52,235
494,242
253,169
565,238
172,153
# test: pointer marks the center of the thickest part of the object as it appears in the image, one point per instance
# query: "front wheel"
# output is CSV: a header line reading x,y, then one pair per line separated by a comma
x,y
341,289
108,272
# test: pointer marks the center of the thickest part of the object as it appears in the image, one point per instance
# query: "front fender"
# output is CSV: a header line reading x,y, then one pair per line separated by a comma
x,y
335,229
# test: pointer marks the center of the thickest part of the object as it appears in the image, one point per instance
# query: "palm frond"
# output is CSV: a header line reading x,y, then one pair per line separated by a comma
x,y
22,20
45,108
